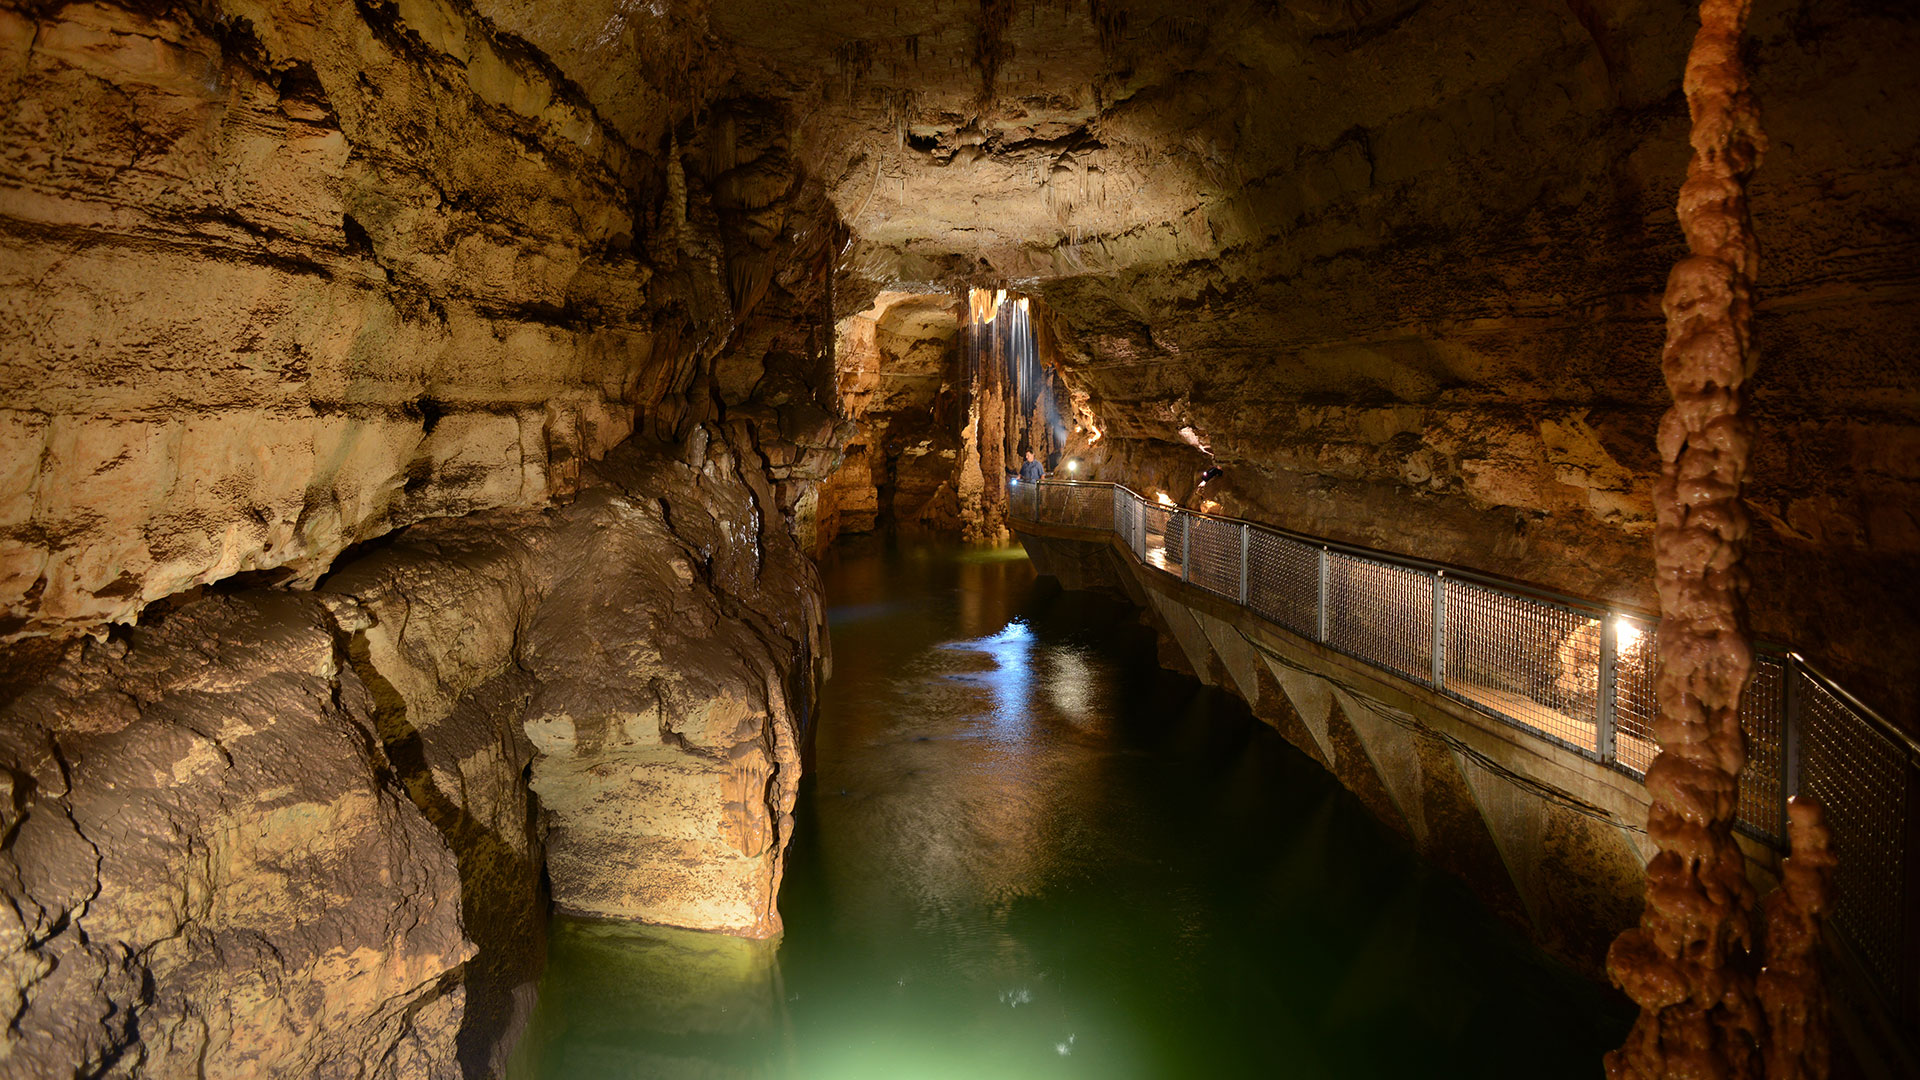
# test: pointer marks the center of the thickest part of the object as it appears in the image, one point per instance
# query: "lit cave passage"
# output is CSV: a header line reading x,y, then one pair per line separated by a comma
x,y
511,561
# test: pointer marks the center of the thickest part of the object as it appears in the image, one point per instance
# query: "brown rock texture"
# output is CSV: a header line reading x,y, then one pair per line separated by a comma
x,y
1684,964
1790,987
294,834
899,383
282,279
210,868
652,649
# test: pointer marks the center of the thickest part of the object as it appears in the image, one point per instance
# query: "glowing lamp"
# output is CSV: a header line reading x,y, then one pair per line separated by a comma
x,y
1073,466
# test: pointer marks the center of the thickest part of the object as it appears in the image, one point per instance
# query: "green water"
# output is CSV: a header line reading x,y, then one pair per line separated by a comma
x,y
1025,851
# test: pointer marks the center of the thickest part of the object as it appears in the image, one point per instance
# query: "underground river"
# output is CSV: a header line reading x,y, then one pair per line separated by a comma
x,y
1025,851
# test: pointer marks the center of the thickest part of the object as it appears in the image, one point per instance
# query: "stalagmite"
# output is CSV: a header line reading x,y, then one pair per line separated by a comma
x,y
1789,988
1684,965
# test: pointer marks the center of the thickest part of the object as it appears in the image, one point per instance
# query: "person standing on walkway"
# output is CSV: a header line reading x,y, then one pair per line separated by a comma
x,y
1030,470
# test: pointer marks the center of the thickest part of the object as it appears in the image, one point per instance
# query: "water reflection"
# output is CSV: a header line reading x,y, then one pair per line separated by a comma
x,y
1025,851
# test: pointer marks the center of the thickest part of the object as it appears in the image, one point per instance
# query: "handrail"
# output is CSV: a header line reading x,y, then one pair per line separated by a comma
x,y
1866,711
1413,562
1512,585
1566,670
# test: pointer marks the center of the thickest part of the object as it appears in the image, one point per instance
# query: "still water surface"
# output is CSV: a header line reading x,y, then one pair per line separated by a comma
x,y
1025,851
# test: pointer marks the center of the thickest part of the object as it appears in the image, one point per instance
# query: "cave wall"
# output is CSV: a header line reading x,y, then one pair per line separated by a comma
x,y
940,409
899,384
526,363
275,833
1414,302
279,279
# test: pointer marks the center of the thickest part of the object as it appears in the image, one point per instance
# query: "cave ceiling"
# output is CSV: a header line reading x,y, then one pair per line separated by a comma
x,y
1003,141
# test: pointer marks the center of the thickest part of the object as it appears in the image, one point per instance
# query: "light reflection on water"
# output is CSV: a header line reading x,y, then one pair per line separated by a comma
x,y
1023,851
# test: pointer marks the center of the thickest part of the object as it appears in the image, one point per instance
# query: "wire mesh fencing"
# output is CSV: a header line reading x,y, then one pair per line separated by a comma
x,y
1865,780
1568,671
1763,717
1283,583
1381,613
1213,554
1633,704
1531,663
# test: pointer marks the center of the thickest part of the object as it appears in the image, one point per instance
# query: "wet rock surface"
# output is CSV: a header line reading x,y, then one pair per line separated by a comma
x,y
210,869
302,834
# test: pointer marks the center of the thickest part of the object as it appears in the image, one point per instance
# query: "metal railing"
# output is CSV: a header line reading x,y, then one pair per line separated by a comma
x,y
1572,672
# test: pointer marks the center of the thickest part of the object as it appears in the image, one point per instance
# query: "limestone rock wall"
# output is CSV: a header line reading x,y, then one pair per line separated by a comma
x,y
279,278
899,384
294,834
210,869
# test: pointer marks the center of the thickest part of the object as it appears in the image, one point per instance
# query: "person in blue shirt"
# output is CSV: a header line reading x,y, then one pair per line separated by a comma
x,y
1030,471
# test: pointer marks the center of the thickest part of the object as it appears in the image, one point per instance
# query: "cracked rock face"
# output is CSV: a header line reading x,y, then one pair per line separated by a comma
x,y
302,834
211,873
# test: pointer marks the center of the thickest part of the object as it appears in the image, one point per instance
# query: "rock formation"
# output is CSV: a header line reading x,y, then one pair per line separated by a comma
x,y
287,834
1686,964
210,870
323,323
1683,965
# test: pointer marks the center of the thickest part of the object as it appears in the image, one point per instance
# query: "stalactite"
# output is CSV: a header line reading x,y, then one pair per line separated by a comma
x,y
900,105
1109,24
991,47
854,59
1008,401
1684,964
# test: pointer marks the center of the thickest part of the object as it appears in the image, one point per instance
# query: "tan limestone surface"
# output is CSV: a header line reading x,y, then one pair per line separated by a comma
x,y
280,279
290,834
209,869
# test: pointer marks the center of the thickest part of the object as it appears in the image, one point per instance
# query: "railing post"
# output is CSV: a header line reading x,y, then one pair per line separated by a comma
x,y
1439,629
1320,604
1244,542
1186,542
1603,715
1792,703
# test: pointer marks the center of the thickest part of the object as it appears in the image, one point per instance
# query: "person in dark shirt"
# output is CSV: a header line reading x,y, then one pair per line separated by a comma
x,y
1030,471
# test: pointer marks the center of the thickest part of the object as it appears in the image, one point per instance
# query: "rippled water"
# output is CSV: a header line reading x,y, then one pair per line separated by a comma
x,y
1024,851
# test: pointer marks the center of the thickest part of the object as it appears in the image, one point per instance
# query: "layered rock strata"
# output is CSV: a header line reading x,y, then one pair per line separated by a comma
x,y
302,834
281,279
